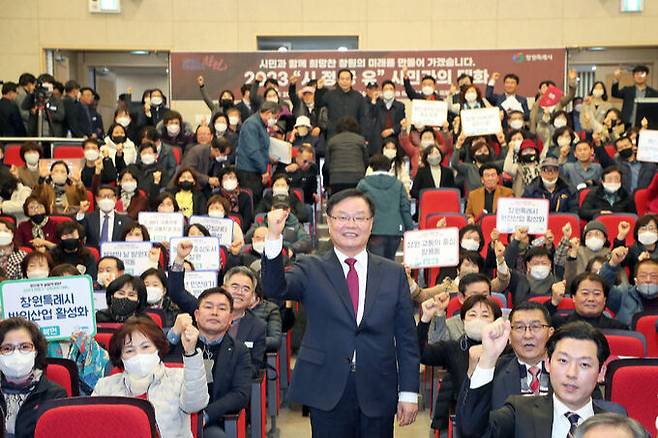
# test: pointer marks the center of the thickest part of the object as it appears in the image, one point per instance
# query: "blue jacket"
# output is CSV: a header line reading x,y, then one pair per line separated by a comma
x,y
498,99
563,200
624,299
252,154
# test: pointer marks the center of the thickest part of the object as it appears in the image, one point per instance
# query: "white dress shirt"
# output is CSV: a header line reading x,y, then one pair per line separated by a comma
x,y
110,224
561,424
528,376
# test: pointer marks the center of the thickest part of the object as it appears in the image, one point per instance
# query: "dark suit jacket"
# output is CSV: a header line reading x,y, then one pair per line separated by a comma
x,y
379,115
77,119
647,170
519,417
387,358
498,99
424,180
92,225
198,158
628,95
11,123
245,112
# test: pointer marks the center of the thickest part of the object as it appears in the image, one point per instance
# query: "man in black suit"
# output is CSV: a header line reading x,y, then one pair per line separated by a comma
x,y
104,224
11,123
576,353
359,361
77,121
629,94
228,365
385,115
245,105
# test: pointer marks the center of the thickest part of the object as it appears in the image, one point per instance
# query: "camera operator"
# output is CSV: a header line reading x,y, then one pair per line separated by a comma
x,y
47,115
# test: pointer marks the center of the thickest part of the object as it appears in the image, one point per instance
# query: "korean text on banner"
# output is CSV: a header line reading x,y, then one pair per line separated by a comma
x,y
647,146
429,112
60,306
512,213
481,121
134,255
162,226
431,248
198,281
205,252
219,227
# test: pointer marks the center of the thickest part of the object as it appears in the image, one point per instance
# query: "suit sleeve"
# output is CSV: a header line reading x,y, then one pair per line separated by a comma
x,y
176,291
280,285
474,413
406,343
615,91
411,93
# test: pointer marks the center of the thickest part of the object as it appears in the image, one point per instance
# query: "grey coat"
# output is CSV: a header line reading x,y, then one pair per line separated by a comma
x,y
346,158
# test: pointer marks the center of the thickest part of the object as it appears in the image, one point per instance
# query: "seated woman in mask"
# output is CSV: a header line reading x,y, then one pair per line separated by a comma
x,y
10,254
138,349
147,170
59,191
217,206
131,200
188,195
12,194
28,173
39,232
174,131
126,297
414,140
36,265
97,169
70,249
281,186
241,204
118,139
432,174
479,152
522,160
24,387
476,312
156,295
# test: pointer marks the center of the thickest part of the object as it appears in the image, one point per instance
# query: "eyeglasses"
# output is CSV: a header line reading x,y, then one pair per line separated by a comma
x,y
25,347
534,328
346,219
239,288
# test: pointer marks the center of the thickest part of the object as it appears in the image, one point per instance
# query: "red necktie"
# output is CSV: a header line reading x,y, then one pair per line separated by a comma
x,y
353,284
534,383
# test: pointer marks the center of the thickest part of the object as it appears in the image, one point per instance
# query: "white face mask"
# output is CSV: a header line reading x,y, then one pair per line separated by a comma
x,y
259,247
17,365
32,158
611,187
549,183
129,186
220,127
91,154
216,213
155,101
388,95
594,243
558,123
271,122
473,328
37,274
6,238
59,179
123,121
471,97
470,244
230,184
426,142
105,278
148,159
563,141
106,205
516,124
154,294
647,237
141,365
173,129
233,120
279,191
597,93
427,90
390,153
540,272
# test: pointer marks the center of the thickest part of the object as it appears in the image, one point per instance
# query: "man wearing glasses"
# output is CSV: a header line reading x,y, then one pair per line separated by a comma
x,y
359,363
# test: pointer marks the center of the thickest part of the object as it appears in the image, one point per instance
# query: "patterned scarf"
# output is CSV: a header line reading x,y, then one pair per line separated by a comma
x,y
15,395
529,173
232,197
37,229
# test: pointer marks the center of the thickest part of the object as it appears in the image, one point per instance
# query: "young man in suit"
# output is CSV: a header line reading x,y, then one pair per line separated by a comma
x,y
576,354
359,361
483,200
510,85
104,224
638,90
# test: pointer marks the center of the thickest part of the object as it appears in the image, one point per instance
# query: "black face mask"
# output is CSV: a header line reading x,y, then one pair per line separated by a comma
x,y
626,153
70,245
37,218
227,103
482,158
186,185
122,308
530,158
119,139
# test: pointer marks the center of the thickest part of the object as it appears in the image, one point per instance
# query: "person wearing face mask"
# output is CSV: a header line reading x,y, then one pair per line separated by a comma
x,y
24,387
104,224
217,206
125,296
385,115
12,194
341,101
252,153
476,312
609,197
414,141
28,174
427,87
392,150
176,132
595,106
62,194
538,277
97,169
544,106
138,350
471,98
206,160
303,105
432,174
583,173
155,107
479,153
635,174
515,121
526,167
295,237
131,200
36,265
225,102
281,186
510,85
117,140
626,300
71,250
302,133
191,200
148,170
155,281
549,185
10,254
639,89
125,119
240,202
645,240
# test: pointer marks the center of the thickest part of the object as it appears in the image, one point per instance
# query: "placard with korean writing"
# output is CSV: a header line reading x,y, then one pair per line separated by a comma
x,y
429,112
280,150
219,227
481,121
431,248
60,306
512,213
162,226
135,255
198,281
205,252
647,146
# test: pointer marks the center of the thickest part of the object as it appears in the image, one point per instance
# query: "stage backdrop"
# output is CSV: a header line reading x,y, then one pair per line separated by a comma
x,y
229,70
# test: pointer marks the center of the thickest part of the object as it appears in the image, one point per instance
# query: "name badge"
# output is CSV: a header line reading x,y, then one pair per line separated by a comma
x,y
249,344
208,364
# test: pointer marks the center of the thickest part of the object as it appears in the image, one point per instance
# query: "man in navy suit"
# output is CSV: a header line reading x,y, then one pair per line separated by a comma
x,y
359,361
576,354
510,84
104,224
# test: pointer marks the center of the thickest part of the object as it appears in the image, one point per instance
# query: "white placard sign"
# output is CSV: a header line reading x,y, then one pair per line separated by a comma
x,y
198,281
281,150
481,121
647,146
431,248
205,252
428,112
512,213
217,226
511,104
162,226
58,305
135,255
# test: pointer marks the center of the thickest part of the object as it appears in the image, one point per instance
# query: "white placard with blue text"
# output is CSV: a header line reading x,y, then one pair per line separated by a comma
x,y
512,213
219,227
134,255
60,306
428,112
198,281
162,226
205,252
431,248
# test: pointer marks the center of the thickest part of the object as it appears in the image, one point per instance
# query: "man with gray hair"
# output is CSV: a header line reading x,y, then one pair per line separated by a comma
x,y
610,425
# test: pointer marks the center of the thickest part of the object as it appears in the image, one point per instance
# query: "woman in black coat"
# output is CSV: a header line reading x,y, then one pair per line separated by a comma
x,y
609,197
431,158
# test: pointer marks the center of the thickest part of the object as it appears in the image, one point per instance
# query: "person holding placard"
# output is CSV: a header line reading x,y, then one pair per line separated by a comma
x,y
635,174
510,85
11,255
414,141
109,269
541,115
36,265
217,207
483,200
131,200
470,97
189,197
23,351
639,89
561,196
